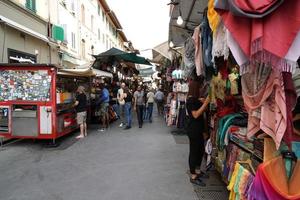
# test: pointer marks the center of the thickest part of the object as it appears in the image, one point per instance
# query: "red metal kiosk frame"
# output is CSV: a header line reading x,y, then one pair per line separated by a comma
x,y
46,118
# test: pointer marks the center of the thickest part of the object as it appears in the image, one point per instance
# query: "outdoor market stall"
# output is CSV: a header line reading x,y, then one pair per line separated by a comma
x,y
40,95
253,78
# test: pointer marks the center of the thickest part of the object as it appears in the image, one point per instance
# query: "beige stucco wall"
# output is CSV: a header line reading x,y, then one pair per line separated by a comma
x,y
13,39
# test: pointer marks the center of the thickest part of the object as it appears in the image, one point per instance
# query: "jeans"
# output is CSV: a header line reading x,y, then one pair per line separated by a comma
x,y
121,112
145,113
160,107
116,109
140,113
128,113
149,111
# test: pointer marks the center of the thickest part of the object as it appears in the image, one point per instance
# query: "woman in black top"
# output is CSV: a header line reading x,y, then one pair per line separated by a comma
x,y
196,107
128,107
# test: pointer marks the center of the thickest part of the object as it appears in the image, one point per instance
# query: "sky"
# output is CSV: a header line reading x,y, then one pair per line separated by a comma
x,y
144,22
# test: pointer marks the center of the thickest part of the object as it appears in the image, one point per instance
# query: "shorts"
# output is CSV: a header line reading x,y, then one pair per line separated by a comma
x,y
81,117
104,108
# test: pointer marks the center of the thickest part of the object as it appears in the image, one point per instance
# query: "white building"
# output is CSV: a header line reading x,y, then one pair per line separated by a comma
x,y
90,27
63,32
24,32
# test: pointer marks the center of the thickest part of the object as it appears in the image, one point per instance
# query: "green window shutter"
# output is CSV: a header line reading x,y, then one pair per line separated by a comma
x,y
58,33
31,5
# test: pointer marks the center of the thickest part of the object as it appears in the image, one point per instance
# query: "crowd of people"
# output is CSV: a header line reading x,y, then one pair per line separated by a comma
x,y
123,100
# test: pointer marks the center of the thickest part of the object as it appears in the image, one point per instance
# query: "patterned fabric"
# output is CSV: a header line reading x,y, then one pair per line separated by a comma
x,y
265,100
220,46
198,52
189,57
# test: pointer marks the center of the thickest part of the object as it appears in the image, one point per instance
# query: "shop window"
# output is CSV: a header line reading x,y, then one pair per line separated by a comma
x,y
15,56
82,14
31,5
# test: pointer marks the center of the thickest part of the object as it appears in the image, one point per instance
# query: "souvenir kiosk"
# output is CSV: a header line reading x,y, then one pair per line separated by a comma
x,y
36,101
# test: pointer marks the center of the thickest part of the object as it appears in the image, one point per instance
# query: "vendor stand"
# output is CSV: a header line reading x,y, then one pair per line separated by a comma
x,y
36,100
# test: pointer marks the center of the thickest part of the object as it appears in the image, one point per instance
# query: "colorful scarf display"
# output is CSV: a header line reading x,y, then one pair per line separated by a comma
x,y
271,181
260,38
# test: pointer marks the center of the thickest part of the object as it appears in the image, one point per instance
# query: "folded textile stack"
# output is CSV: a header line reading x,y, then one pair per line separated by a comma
x,y
240,182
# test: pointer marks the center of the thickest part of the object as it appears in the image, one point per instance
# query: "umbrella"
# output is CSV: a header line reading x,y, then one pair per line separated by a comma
x,y
117,54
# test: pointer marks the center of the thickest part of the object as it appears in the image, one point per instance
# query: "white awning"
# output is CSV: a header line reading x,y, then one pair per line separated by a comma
x,y
101,73
163,50
24,29
85,72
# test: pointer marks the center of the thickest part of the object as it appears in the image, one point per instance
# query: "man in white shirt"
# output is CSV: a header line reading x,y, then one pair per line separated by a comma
x,y
121,102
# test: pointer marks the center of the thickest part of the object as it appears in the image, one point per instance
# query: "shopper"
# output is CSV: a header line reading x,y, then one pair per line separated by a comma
x,y
81,106
114,99
139,104
159,98
104,104
145,111
128,106
195,129
121,103
149,104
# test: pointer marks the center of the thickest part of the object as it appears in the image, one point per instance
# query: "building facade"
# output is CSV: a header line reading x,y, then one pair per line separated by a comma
x,y
24,32
62,32
89,29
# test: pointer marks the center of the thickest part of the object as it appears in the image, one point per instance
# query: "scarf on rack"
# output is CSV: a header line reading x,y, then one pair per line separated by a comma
x,y
212,15
198,52
220,46
264,98
189,57
271,181
257,31
206,37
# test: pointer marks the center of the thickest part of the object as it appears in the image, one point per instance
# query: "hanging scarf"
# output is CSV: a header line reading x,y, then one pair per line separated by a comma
x,y
213,16
264,98
198,52
260,38
271,181
189,57
220,46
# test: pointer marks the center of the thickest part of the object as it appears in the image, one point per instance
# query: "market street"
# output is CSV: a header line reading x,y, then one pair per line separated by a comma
x,y
117,164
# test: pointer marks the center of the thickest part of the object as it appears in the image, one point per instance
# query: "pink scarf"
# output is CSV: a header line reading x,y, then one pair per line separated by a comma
x,y
266,107
266,39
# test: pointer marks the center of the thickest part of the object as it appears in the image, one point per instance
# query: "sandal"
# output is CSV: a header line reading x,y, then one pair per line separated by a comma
x,y
198,182
80,137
